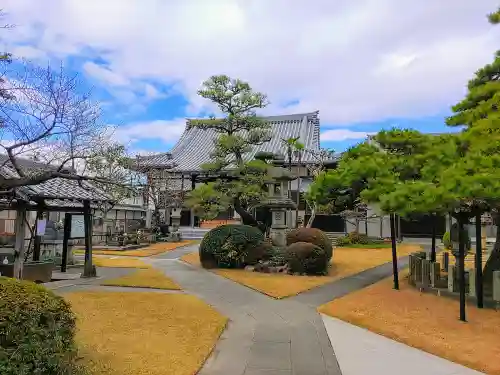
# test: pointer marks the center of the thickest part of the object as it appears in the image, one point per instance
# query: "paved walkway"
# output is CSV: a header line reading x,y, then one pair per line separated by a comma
x,y
381,355
264,336
288,337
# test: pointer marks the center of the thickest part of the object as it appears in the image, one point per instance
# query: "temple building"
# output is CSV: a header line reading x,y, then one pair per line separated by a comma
x,y
179,170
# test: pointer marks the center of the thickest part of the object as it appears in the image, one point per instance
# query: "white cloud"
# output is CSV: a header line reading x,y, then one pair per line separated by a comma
x,y
362,60
28,52
166,130
342,135
104,74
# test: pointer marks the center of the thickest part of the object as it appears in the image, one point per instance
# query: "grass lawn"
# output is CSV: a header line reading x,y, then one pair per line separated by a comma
x,y
154,249
346,262
119,263
146,278
139,333
424,321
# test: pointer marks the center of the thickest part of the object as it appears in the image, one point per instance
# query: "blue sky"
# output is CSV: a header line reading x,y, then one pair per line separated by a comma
x,y
365,64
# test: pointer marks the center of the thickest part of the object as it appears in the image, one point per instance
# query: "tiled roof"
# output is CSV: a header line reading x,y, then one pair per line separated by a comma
x,y
57,188
195,145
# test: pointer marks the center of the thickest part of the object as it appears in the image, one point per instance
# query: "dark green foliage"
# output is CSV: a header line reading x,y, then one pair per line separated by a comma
x,y
311,235
228,246
305,257
37,330
355,238
447,240
262,251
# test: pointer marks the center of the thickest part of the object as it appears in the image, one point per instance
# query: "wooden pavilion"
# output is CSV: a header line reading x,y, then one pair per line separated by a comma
x,y
59,194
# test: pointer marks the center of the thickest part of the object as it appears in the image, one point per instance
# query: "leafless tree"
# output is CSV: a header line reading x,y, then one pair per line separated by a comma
x,y
160,187
46,117
321,157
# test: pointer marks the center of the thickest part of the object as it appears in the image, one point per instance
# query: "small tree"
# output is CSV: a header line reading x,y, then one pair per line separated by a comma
x,y
46,115
321,157
239,182
478,112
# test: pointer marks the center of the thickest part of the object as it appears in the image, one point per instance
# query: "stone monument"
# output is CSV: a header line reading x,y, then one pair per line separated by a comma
x,y
278,201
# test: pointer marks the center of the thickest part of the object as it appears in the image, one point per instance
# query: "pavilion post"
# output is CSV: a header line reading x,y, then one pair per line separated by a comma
x,y
461,267
394,251
38,237
433,241
66,235
479,262
19,248
87,268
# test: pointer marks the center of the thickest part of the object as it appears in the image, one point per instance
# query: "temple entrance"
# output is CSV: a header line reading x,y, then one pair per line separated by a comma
x,y
328,223
185,218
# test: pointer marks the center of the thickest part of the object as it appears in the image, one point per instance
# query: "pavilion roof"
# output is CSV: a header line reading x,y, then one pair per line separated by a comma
x,y
55,192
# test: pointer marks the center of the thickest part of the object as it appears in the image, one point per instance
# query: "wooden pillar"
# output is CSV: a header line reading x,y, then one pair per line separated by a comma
x,y
88,268
394,252
20,230
479,263
193,186
66,234
38,237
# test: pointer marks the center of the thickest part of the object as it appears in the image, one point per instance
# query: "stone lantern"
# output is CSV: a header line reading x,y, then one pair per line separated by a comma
x,y
278,201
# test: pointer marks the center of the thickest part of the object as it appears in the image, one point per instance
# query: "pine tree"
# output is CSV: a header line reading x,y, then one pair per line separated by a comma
x,y
238,182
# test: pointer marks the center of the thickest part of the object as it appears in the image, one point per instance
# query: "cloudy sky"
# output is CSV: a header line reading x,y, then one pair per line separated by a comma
x,y
364,64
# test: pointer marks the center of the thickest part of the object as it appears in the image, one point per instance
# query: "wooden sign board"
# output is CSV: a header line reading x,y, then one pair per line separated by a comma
x,y
77,227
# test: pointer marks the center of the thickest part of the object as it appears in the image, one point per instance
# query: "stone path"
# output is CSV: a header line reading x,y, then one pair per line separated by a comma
x,y
276,337
264,336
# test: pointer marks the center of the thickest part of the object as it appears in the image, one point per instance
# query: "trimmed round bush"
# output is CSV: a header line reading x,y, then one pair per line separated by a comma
x,y
229,246
263,251
311,235
37,330
305,257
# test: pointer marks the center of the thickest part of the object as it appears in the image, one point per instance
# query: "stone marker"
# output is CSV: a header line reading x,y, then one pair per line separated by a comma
x,y
411,274
435,274
496,286
472,282
418,269
446,260
451,278
426,272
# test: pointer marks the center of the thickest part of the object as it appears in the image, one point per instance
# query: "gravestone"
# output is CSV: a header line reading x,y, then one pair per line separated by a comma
x,y
446,261
472,282
451,278
496,286
426,272
435,274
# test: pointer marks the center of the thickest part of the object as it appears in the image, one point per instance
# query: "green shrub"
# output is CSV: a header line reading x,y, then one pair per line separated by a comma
x,y
37,331
343,241
447,240
311,235
305,257
228,246
355,238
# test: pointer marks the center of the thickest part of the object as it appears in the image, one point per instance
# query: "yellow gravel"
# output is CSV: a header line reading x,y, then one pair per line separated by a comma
x,y
424,321
146,278
154,249
346,262
141,333
119,263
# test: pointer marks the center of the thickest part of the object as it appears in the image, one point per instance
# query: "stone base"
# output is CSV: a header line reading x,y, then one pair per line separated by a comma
x,y
278,236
